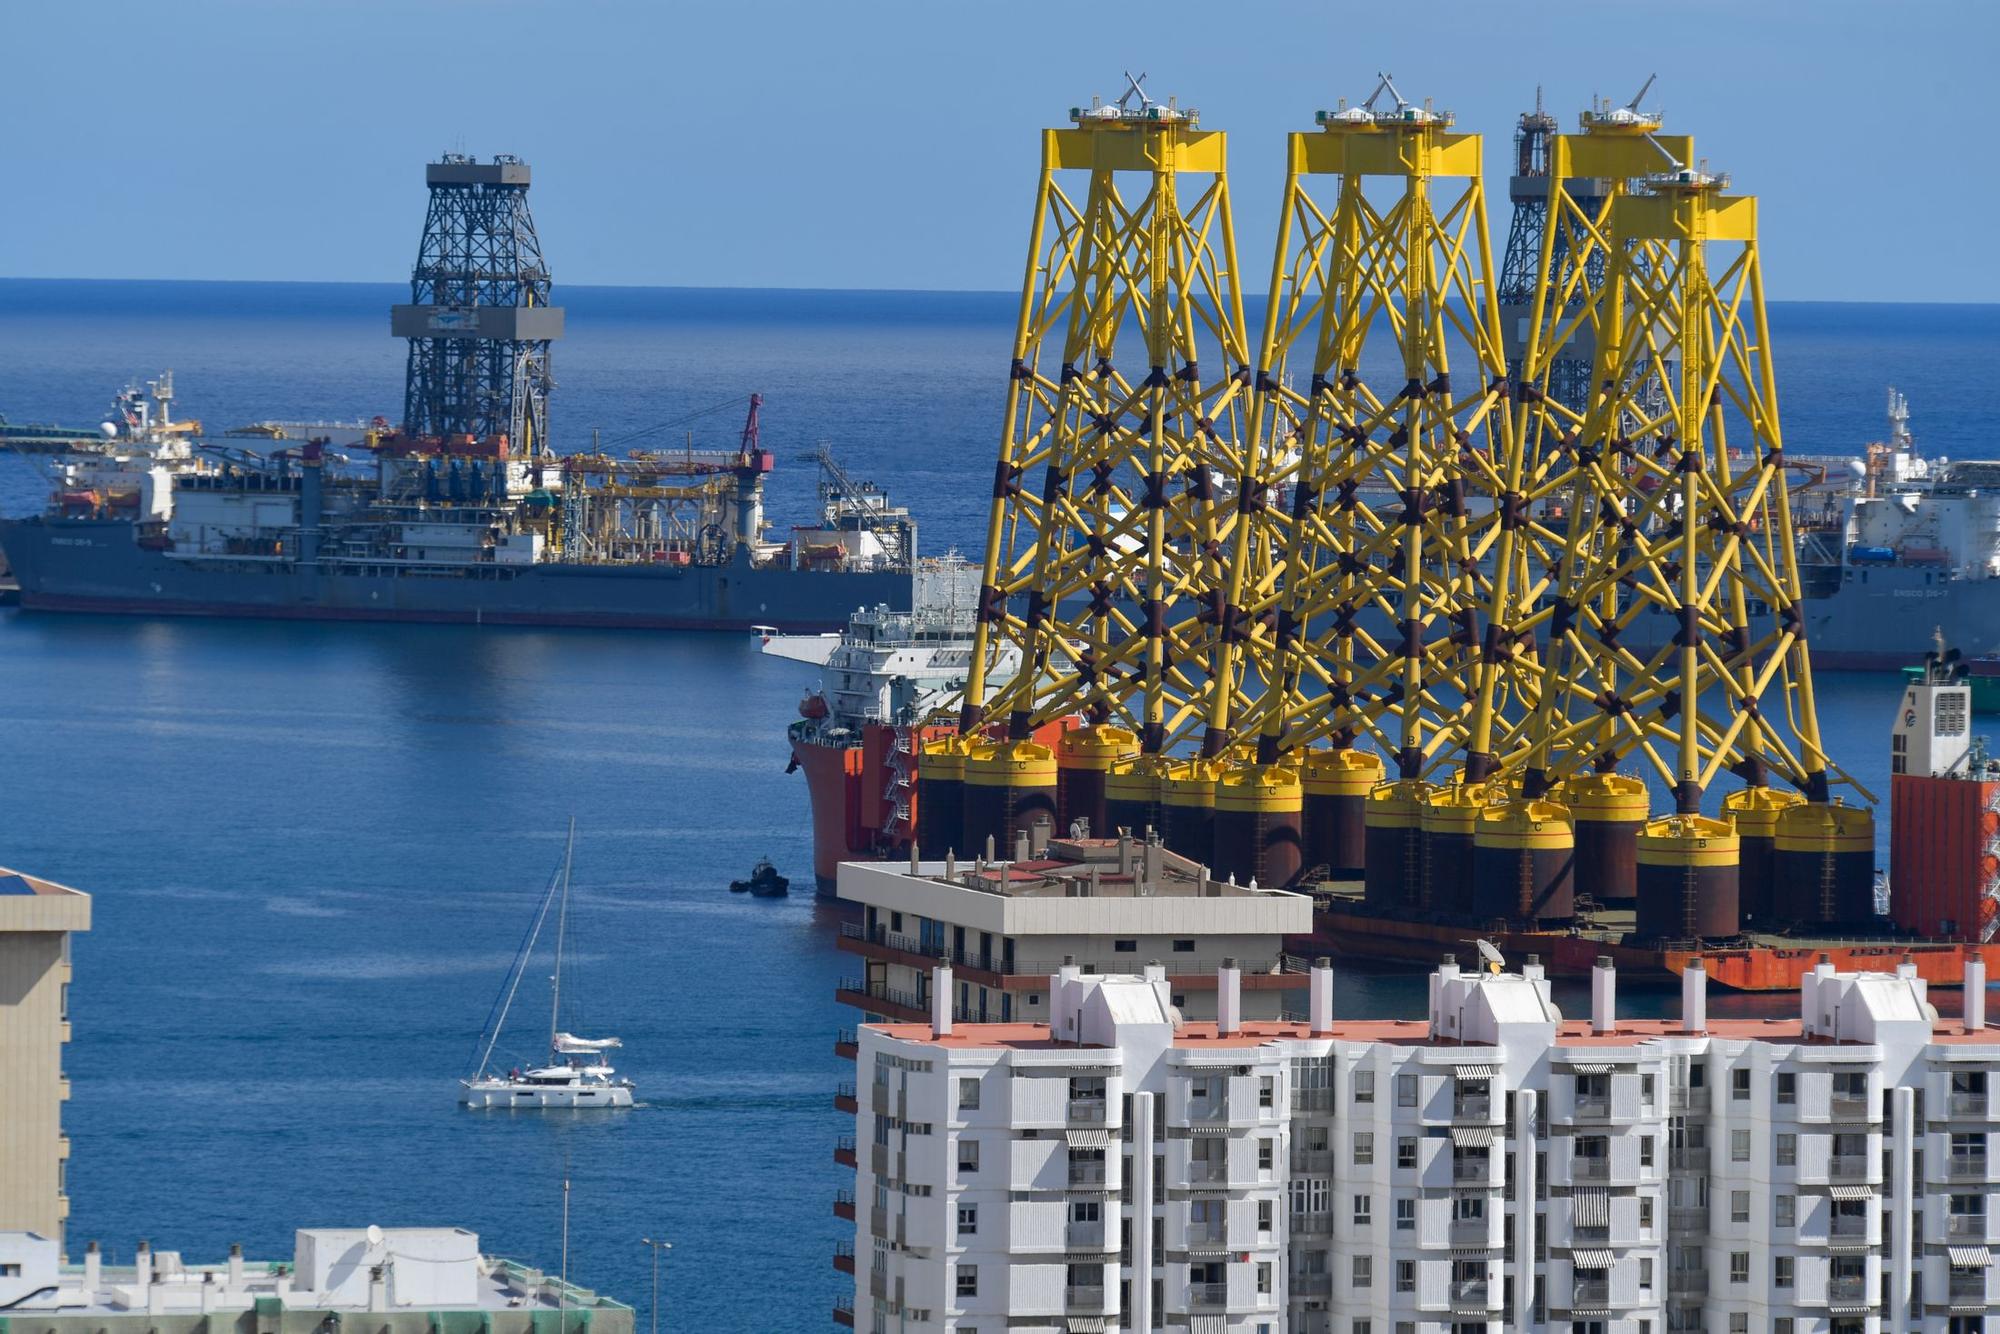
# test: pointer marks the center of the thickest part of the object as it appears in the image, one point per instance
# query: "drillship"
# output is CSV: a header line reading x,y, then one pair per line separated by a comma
x,y
465,513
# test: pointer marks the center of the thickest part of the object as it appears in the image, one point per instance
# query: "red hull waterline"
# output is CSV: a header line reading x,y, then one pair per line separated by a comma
x,y
833,791
1759,968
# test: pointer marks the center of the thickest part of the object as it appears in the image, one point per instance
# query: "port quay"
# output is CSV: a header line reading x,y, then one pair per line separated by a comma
x,y
1404,805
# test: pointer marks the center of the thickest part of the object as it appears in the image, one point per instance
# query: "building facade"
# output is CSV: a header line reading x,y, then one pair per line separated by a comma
x,y
1491,1167
37,918
1108,905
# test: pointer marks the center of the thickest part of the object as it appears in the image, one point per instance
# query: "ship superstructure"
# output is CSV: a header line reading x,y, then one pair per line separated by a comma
x,y
465,512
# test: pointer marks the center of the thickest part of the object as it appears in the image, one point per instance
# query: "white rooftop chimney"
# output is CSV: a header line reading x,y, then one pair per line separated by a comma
x,y
1975,993
1322,995
1228,998
1694,997
142,1264
1062,1018
1603,996
93,1271
941,999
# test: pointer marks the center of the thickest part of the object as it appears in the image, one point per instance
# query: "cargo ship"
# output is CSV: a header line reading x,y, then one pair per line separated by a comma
x,y
885,677
1759,925
464,512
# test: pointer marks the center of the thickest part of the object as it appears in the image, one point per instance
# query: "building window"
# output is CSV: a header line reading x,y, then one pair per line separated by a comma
x,y
1739,1266
1406,1090
1739,1206
1362,1325
1265,1212
1784,1211
968,1095
1739,1086
1364,1148
1788,1089
1788,1150
1645,1273
1263,1279
1406,1275
1364,1210
1739,1146
1125,947
968,1220
1739,1323
1364,1086
1267,1091
1647,1084
1364,1271
1645,1213
1184,947
968,1280
1645,1150
1406,1151
1267,1154
1781,1271
1406,1214
968,1155
1782,1325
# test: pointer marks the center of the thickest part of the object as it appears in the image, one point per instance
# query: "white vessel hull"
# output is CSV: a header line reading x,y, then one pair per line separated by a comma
x,y
503,1093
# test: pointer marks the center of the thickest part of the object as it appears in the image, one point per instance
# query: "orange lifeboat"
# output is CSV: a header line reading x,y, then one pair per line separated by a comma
x,y
813,706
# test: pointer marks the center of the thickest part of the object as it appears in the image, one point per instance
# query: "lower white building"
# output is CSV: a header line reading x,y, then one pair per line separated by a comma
x,y
1491,1166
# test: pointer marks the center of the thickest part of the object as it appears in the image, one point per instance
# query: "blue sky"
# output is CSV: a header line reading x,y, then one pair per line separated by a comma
x,y
893,145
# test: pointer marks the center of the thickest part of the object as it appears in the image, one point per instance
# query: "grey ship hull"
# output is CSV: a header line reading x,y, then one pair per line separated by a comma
x,y
94,565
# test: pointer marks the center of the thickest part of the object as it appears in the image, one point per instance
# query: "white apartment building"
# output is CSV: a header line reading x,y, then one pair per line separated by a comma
x,y
1491,1167
1107,905
37,918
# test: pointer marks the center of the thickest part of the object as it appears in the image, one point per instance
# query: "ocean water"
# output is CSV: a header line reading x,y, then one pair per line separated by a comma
x,y
314,849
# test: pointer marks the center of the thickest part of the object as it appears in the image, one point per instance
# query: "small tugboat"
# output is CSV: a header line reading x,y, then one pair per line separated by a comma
x,y
576,1074
764,882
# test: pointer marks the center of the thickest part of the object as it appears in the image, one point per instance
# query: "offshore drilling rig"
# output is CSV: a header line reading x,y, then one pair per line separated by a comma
x,y
1471,588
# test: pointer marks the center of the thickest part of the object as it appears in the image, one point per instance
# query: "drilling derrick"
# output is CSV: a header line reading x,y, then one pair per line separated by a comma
x,y
1521,268
1671,609
479,319
1113,502
1386,559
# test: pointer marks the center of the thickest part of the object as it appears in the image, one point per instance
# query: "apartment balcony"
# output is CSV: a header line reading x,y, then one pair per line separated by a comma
x,y
1084,1236
843,1205
1847,1107
1849,1167
1847,1289
1472,1107
1966,1167
1590,1109
1590,1294
1688,1160
878,1221
1966,1289
843,1151
1688,1218
1085,1299
1592,1236
843,1311
843,1257
1469,1294
1313,1162
1966,1106
1086,1174
1312,1225
1472,1168
1206,1111
844,1099
846,1043
1207,1296
878,1283
1205,1171
1590,1169
1312,1100
1848,1227
1087,1111
1965,1227
1312,1285
1207,1233
1471,1231
881,998
878,1160
1688,1282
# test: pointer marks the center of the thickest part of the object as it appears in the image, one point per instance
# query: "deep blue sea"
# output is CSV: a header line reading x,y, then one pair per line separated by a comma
x,y
313,849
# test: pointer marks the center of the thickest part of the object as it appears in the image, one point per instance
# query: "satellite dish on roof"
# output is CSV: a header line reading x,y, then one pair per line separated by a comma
x,y
1494,962
374,1235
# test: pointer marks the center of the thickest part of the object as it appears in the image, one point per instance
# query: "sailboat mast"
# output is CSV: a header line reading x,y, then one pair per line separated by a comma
x,y
562,929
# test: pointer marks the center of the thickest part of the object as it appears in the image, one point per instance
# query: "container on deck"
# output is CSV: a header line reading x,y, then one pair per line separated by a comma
x,y
1084,760
1823,864
1335,786
1258,811
1132,796
1393,871
1755,811
941,796
1187,808
1450,821
1524,862
1688,879
1008,785
1610,810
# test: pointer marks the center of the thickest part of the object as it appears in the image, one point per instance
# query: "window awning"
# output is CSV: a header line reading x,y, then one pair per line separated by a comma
x,y
1476,1071
1590,1208
1472,1137
1590,1068
1968,1256
1852,1192
1590,1259
1086,1324
1207,1130
1089,1139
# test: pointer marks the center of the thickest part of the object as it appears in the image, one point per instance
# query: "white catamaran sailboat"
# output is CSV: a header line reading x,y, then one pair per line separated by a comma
x,y
576,1074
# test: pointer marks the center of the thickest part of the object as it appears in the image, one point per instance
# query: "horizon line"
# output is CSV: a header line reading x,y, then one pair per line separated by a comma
x,y
1013,295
